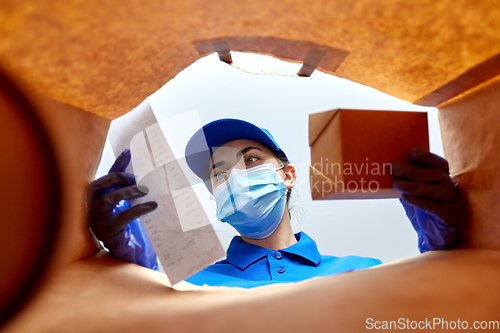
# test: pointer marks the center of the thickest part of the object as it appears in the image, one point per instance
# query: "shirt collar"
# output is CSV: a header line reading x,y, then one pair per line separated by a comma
x,y
305,248
242,254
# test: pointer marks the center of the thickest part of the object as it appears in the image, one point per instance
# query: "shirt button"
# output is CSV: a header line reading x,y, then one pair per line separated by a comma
x,y
281,270
278,255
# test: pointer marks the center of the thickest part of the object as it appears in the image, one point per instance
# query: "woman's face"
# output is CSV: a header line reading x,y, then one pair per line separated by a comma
x,y
238,154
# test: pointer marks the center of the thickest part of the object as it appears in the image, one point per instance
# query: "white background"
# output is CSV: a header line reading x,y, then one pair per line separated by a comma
x,y
373,228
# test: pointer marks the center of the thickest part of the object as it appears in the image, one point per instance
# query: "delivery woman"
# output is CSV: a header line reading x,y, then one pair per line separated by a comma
x,y
251,180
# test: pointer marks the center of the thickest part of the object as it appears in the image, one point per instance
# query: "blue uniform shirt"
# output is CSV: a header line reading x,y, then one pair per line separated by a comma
x,y
249,265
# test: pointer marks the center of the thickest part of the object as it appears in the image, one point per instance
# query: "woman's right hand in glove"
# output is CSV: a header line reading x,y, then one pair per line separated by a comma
x,y
105,193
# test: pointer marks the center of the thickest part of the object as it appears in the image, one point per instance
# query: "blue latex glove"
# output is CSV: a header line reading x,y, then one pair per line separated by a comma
x,y
114,221
432,200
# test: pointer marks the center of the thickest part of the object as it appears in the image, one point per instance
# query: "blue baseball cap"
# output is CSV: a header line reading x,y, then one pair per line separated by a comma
x,y
207,139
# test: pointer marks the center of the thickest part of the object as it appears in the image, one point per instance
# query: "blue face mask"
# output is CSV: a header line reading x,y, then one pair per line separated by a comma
x,y
252,200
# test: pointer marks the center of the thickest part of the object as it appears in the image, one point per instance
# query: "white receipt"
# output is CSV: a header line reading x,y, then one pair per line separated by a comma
x,y
179,228
141,159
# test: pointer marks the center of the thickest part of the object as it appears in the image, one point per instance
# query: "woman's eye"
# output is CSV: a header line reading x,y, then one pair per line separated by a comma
x,y
252,159
220,175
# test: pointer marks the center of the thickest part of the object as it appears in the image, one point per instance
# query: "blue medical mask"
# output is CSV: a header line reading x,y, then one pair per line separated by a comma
x,y
252,200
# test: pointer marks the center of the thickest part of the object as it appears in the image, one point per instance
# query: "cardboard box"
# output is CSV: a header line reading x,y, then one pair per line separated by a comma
x,y
352,151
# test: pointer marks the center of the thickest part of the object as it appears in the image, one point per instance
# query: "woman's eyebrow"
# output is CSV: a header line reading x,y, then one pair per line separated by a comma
x,y
218,164
245,150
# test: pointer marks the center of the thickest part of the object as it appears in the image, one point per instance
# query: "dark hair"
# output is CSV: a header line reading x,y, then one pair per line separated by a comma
x,y
284,162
